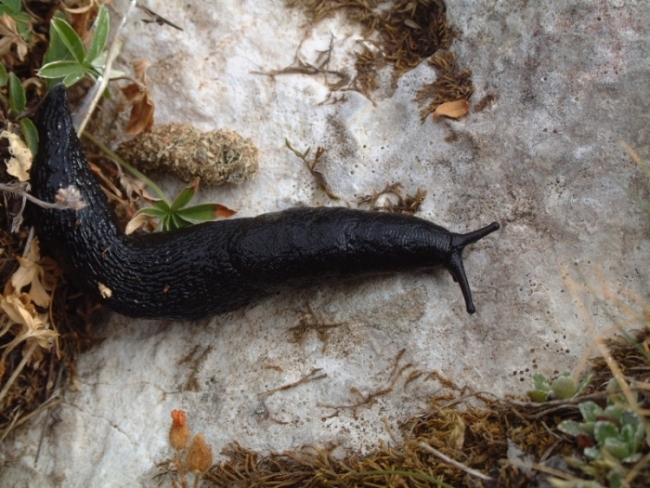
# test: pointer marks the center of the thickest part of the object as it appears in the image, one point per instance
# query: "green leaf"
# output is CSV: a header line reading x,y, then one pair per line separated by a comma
x,y
570,427
17,98
630,418
74,77
57,50
59,69
593,453
590,411
161,205
604,430
563,386
537,396
180,222
173,222
201,213
588,428
70,38
613,412
540,382
616,478
99,37
14,5
167,223
628,435
23,22
184,197
99,61
617,448
582,386
152,212
633,430
4,77
30,134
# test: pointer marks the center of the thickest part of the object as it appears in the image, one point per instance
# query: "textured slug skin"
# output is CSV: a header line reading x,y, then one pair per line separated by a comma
x,y
216,267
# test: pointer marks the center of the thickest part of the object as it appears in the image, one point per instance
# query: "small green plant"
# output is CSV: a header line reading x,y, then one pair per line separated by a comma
x,y
562,387
610,436
67,60
177,214
13,8
615,430
17,101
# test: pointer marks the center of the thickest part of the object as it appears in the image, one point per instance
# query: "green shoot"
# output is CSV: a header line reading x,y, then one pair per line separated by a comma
x,y
17,103
67,60
4,77
17,99
178,214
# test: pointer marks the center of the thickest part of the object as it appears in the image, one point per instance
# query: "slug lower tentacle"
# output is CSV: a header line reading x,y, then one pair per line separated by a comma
x,y
216,267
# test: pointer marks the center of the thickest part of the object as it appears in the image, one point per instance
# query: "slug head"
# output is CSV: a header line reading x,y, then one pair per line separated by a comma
x,y
455,264
59,157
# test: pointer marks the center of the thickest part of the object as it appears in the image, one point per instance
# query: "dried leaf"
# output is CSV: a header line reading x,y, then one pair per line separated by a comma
x,y
83,10
32,325
32,274
223,211
140,220
138,98
9,36
199,456
19,165
454,110
141,116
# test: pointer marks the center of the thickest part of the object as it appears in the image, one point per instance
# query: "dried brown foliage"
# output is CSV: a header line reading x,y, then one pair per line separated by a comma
x,y
409,32
479,433
452,84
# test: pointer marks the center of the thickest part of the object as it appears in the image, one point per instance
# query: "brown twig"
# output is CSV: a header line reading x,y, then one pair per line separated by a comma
x,y
305,379
453,462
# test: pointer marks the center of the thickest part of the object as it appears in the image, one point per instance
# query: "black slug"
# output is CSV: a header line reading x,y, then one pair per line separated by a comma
x,y
216,267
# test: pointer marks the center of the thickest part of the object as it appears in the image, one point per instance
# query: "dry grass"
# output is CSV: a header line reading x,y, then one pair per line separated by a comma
x,y
409,32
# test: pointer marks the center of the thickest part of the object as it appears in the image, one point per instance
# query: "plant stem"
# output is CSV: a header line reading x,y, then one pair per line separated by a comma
x,y
26,357
112,53
127,166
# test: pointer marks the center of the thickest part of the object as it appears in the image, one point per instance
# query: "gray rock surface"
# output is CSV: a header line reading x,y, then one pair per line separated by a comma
x,y
571,79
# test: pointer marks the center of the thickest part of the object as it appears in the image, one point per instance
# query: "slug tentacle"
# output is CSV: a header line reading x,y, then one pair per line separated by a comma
x,y
455,265
216,267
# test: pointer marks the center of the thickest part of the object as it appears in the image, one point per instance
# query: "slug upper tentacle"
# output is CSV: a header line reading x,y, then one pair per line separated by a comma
x,y
217,267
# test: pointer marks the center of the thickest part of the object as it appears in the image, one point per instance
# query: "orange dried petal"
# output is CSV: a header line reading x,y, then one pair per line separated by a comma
x,y
199,456
179,433
454,110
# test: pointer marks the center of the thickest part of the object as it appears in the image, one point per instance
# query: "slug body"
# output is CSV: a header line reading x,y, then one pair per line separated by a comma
x,y
216,267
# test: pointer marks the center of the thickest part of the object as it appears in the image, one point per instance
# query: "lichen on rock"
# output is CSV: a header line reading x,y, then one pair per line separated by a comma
x,y
217,157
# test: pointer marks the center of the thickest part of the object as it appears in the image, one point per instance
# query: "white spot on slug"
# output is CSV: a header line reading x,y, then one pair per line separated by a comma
x,y
105,291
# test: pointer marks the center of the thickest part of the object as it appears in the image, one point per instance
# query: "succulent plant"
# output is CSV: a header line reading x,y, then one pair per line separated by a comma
x,y
563,387
614,431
